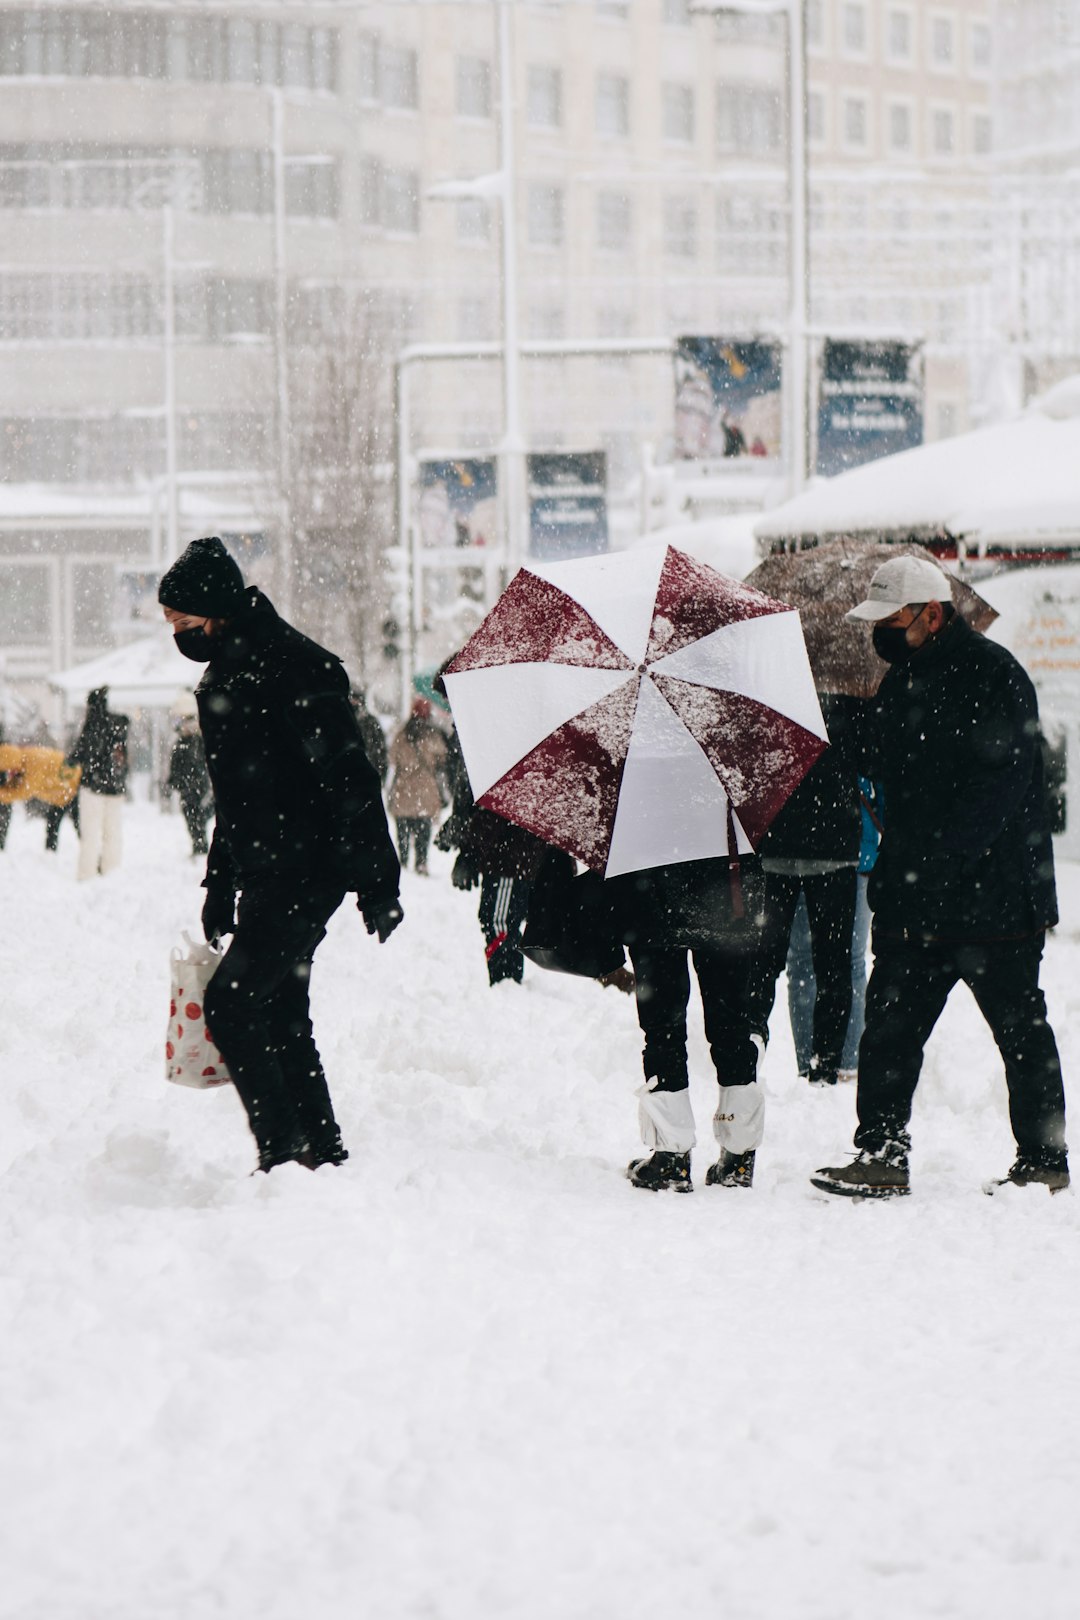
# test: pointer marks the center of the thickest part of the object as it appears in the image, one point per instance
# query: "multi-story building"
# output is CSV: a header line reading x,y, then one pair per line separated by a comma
x,y
219,227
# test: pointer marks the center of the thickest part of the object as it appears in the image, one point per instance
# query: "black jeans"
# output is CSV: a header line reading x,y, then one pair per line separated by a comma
x,y
830,910
504,904
416,829
662,991
908,989
257,1012
196,817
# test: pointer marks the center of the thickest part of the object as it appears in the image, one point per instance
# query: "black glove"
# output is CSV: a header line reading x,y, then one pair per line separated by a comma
x,y
464,875
219,913
382,920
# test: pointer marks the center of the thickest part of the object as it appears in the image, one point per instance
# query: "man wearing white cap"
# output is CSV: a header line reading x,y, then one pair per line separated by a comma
x,y
964,884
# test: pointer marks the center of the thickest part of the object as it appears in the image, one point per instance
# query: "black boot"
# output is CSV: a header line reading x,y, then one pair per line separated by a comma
x,y
661,1170
731,1170
326,1150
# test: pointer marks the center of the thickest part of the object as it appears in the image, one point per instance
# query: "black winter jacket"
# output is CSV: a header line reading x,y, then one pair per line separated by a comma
x,y
294,790
822,818
102,751
966,853
693,903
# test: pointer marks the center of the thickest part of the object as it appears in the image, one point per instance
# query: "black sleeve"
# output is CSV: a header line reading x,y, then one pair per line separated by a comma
x,y
221,873
330,740
1002,744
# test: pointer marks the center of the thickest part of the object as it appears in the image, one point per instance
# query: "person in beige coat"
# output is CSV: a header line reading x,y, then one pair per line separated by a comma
x,y
418,759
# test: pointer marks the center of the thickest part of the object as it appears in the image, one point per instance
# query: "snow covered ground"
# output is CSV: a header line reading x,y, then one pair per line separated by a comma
x,y
474,1373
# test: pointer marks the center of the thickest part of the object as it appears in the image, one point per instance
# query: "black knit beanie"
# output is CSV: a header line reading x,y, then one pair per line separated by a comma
x,y
204,580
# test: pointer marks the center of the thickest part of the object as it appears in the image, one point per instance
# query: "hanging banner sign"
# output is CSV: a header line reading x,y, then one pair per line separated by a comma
x,y
457,506
567,505
727,399
870,403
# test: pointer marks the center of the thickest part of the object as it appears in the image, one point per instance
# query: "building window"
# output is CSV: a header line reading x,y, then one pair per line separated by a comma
x,y
748,120
677,103
981,48
473,220
853,28
982,134
942,43
546,321
544,96
613,10
815,117
367,47
855,121
401,201
815,24
473,87
612,104
677,13
399,77
900,126
476,319
899,36
942,132
545,216
614,221
680,227
25,591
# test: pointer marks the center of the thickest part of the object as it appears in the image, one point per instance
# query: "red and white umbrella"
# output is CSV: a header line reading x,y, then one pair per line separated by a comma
x,y
636,709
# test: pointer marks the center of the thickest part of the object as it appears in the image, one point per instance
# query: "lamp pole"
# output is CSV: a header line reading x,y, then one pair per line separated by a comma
x,y
513,445
286,560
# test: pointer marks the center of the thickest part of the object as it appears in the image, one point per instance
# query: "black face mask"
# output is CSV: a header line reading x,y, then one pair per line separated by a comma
x,y
194,644
891,643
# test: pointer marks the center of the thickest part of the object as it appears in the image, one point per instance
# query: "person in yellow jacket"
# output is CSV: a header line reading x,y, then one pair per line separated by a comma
x,y
35,773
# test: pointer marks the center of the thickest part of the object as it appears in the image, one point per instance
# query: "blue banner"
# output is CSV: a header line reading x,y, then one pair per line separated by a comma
x,y
870,403
567,505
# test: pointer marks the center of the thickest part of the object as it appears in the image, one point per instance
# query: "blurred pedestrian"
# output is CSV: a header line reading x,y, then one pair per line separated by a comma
x,y
101,752
371,731
418,791
963,888
189,780
299,824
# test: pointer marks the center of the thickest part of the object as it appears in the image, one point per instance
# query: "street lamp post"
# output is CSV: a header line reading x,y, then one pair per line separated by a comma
x,y
798,216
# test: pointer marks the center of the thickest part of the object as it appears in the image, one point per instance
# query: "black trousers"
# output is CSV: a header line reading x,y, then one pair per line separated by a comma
x,y
504,904
257,1012
662,992
830,910
417,830
196,817
908,989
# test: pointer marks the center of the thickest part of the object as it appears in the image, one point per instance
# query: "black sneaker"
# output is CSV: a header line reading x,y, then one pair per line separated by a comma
x,y
1026,1174
731,1170
661,1170
867,1176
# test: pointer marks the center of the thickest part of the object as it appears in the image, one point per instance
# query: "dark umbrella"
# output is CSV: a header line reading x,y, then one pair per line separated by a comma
x,y
823,582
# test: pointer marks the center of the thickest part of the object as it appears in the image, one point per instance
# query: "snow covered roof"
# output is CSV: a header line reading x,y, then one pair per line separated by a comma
x,y
1016,482
724,543
148,673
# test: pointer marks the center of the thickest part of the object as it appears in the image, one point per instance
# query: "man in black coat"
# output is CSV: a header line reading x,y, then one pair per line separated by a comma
x,y
300,824
963,888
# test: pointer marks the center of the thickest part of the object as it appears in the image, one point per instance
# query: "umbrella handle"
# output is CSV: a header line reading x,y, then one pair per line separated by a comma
x,y
738,905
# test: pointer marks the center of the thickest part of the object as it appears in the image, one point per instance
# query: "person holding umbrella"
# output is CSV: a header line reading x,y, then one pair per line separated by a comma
x,y
650,717
963,888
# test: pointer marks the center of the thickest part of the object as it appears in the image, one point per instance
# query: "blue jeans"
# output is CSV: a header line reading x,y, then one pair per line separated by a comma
x,y
802,988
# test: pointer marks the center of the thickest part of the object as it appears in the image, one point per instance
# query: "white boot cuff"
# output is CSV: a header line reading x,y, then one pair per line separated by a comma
x,y
739,1121
666,1119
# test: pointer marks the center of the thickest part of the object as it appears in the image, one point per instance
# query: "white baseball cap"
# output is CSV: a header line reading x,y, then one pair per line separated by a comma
x,y
899,582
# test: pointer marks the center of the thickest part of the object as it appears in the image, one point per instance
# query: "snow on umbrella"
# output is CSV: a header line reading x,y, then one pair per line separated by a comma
x,y
636,709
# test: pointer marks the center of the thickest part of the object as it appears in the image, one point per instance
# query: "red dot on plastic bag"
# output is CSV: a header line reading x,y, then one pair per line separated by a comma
x,y
210,1070
179,1032
172,1009
170,1050
193,1010
207,1034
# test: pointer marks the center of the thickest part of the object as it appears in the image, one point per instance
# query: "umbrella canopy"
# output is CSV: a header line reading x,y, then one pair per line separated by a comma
x,y
823,582
636,709
1010,485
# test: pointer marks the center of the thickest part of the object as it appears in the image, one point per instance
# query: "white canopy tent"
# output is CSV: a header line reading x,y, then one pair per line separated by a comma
x,y
999,491
145,674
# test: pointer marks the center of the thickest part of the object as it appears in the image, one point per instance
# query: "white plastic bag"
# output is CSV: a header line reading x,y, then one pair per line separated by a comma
x,y
191,1058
